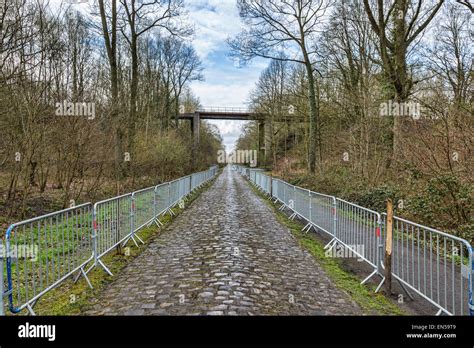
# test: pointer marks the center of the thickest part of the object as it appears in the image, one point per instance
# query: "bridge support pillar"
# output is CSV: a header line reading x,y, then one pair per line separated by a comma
x,y
264,143
195,128
268,142
261,144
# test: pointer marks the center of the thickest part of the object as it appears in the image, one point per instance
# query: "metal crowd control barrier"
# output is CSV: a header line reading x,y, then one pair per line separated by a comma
x,y
244,171
113,224
264,182
437,266
44,251
358,229
64,243
316,208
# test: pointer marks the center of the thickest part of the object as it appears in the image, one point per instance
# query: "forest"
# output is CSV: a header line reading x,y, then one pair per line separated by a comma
x,y
386,91
89,103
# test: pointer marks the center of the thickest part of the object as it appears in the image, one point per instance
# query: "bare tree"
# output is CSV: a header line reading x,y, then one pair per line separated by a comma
x,y
347,55
139,18
109,34
450,56
48,56
397,27
188,69
466,3
270,97
276,26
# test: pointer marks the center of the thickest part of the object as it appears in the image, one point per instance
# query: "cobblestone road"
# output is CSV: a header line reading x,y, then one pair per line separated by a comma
x,y
225,255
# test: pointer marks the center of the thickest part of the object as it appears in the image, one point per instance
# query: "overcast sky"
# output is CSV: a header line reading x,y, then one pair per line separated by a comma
x,y
225,84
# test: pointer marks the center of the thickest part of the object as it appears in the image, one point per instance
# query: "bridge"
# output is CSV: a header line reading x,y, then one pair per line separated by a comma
x,y
240,114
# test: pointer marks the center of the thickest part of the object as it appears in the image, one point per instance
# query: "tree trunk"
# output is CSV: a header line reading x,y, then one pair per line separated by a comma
x,y
401,80
313,119
133,93
111,45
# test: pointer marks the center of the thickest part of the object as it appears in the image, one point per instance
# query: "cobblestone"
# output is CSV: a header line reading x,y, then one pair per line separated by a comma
x,y
225,255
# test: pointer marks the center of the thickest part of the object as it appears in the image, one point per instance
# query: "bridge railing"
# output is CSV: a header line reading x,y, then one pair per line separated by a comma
x,y
435,265
70,243
223,109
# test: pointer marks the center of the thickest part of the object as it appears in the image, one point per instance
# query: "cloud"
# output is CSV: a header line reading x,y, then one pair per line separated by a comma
x,y
214,20
225,84
226,94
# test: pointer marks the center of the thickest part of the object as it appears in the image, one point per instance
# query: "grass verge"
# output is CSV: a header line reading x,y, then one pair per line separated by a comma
x,y
364,295
71,298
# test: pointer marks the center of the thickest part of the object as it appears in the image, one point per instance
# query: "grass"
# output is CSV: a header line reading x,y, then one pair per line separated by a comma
x,y
370,302
71,298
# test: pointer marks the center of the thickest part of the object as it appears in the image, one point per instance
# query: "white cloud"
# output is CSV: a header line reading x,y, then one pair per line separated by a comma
x,y
222,94
214,20
225,84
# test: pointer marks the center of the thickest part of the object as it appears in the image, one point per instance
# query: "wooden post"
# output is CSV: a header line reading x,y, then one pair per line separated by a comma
x,y
388,248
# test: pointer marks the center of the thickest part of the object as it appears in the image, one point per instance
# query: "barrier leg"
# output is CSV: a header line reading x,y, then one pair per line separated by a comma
x,y
101,264
311,227
138,237
406,290
84,274
330,244
380,285
370,276
30,310
132,239
104,267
